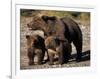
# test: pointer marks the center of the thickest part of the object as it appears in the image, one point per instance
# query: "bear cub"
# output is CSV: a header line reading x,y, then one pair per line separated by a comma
x,y
60,47
35,47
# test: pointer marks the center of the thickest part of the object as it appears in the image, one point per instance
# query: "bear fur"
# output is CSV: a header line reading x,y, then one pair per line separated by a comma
x,y
55,46
63,28
35,46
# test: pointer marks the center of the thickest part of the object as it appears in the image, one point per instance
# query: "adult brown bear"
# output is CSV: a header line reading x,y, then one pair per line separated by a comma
x,y
59,27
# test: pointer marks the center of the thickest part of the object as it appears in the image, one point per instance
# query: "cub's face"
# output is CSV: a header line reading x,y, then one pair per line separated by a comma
x,y
35,41
30,40
52,42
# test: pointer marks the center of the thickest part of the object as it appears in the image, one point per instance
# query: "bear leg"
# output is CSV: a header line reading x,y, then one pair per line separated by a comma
x,y
78,45
30,56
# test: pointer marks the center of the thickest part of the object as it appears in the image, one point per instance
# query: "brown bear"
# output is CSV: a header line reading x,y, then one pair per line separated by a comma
x,y
62,48
35,46
63,28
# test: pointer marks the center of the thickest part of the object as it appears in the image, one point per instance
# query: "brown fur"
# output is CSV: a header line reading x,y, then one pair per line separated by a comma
x,y
35,46
63,28
59,47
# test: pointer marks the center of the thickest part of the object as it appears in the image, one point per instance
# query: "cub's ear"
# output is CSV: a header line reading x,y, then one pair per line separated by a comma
x,y
27,37
45,18
52,18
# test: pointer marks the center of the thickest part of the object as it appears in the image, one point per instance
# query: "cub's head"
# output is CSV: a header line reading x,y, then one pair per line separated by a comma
x,y
30,40
34,41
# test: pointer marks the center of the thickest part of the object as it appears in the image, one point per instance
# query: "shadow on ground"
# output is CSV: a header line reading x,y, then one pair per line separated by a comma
x,y
85,55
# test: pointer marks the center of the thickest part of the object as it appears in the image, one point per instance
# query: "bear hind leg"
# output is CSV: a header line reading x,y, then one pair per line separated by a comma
x,y
78,45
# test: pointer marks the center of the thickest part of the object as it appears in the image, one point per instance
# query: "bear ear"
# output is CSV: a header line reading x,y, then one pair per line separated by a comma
x,y
27,36
52,18
45,18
